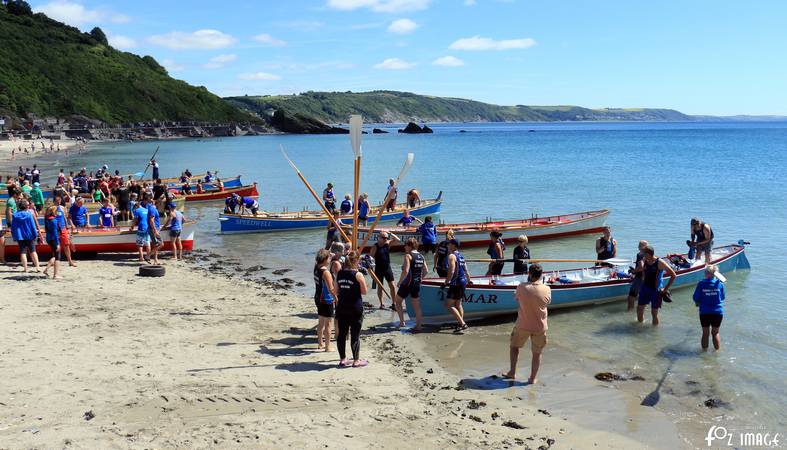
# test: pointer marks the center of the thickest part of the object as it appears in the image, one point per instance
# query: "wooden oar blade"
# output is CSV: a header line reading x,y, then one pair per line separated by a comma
x,y
356,131
281,147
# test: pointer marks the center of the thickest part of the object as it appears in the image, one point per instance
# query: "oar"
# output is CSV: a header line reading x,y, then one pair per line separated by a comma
x,y
327,213
356,130
613,261
151,159
407,164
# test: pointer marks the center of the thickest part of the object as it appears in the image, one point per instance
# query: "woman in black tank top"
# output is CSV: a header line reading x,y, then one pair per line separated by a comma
x,y
349,311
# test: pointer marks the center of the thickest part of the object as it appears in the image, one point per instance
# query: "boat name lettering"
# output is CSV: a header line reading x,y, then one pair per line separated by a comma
x,y
473,298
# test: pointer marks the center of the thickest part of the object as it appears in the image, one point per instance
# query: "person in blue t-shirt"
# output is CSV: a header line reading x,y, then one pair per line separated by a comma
x,y
24,230
407,219
709,297
53,230
347,205
250,204
142,222
428,236
231,203
363,209
106,214
77,214
154,225
175,220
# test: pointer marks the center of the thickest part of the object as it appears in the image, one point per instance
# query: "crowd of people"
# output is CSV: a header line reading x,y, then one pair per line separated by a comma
x,y
340,286
52,147
35,218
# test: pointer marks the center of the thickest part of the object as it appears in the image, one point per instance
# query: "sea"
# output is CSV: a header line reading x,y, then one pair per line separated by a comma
x,y
654,177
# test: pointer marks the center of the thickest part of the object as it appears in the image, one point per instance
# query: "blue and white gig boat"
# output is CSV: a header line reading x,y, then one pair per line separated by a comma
x,y
303,220
486,297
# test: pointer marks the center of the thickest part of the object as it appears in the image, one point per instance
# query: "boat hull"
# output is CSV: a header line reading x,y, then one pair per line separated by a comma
x,y
243,191
111,240
489,300
267,222
477,235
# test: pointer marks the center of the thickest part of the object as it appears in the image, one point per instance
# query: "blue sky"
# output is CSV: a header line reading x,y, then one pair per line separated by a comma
x,y
697,56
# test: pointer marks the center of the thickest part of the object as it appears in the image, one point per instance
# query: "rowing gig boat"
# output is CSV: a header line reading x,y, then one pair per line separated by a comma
x,y
477,234
109,240
303,220
243,191
487,297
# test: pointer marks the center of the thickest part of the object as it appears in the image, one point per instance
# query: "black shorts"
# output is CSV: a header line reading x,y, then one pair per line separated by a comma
x,y
456,292
53,245
409,290
442,272
711,320
174,234
495,269
426,248
384,273
635,285
325,309
27,245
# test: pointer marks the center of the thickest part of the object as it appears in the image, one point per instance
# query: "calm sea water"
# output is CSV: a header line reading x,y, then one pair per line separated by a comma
x,y
654,178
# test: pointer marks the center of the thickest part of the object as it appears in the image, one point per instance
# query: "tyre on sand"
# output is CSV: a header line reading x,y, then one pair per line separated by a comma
x,y
151,271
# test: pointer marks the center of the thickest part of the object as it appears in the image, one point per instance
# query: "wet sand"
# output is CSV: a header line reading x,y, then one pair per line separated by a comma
x,y
216,354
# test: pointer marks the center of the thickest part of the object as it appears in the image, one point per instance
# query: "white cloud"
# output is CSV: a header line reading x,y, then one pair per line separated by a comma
x,y
172,66
402,26
269,40
448,61
217,62
384,6
394,64
76,14
259,76
197,40
121,42
483,43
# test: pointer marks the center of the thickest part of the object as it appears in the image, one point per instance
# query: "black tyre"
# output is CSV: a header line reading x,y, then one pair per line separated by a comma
x,y
152,271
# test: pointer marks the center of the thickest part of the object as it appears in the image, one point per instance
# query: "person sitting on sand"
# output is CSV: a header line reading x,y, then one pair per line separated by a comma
x,y
531,322
701,239
414,268
351,287
324,295
25,231
407,219
650,292
709,297
347,205
456,280
413,198
53,231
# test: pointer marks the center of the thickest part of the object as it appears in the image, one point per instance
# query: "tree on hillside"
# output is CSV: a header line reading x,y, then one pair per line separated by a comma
x,y
18,8
97,34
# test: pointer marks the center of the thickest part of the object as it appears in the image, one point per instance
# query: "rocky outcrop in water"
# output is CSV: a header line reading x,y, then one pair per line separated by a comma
x,y
413,128
300,124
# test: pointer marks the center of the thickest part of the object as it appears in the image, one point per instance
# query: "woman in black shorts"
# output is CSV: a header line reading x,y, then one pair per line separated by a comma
x,y
324,295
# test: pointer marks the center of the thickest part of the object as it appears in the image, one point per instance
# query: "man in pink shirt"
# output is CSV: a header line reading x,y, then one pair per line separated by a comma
x,y
531,323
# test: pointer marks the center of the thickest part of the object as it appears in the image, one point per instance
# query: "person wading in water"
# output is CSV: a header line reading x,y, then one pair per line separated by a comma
x,y
650,292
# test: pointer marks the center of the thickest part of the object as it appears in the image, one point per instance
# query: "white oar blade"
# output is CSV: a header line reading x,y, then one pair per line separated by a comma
x,y
617,261
356,131
407,164
281,147
721,277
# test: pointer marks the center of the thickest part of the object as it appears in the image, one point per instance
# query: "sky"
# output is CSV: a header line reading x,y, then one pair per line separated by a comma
x,y
697,56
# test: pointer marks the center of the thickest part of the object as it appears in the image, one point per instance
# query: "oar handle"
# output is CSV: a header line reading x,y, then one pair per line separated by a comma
x,y
490,260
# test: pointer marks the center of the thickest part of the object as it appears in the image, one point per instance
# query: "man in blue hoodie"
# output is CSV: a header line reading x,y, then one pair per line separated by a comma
x,y
709,297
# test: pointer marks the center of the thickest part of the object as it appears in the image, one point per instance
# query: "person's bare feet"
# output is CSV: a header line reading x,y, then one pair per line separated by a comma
x,y
508,375
532,380
57,278
71,264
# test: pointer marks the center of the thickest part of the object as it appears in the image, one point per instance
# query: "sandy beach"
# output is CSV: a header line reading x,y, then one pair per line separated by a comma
x,y
7,145
203,359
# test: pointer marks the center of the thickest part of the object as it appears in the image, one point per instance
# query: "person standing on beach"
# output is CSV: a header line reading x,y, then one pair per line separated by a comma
x,y
636,271
328,198
521,255
381,252
414,268
324,295
142,222
11,206
154,227
52,228
709,297
35,174
428,236
606,247
351,287
175,222
66,246
441,255
37,196
650,292
106,214
363,209
457,278
531,322
495,252
25,231
333,233
701,239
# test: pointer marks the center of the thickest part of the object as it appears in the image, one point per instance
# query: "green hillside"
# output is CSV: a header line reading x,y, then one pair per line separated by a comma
x,y
51,69
392,106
